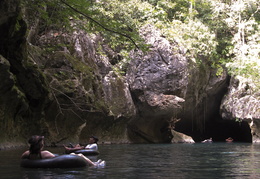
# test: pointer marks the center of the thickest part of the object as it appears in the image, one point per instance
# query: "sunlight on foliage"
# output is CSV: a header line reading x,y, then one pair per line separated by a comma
x,y
246,40
210,32
194,36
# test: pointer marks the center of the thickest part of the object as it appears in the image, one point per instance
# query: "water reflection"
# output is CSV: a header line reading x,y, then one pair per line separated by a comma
x,y
48,174
216,160
244,161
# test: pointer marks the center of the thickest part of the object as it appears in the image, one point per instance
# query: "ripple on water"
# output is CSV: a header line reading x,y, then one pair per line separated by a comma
x,y
181,161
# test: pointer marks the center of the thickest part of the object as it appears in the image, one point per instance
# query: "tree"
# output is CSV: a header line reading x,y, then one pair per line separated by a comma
x,y
222,32
242,22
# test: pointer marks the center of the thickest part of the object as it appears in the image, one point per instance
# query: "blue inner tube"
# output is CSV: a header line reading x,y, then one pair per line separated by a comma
x,y
87,152
62,161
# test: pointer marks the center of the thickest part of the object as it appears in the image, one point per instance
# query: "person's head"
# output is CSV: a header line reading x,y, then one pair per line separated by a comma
x,y
93,139
36,144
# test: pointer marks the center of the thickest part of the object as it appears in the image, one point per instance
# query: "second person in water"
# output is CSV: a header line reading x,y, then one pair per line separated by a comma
x,y
92,145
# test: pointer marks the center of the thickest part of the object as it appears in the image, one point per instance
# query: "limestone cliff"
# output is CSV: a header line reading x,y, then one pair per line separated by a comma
x,y
63,85
23,89
167,88
54,91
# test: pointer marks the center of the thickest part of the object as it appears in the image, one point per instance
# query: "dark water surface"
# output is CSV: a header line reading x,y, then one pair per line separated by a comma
x,y
216,160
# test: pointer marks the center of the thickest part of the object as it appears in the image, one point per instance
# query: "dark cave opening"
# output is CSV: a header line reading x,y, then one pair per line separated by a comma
x,y
222,129
219,130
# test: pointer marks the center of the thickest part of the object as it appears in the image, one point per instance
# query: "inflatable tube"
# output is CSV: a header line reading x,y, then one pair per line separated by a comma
x,y
62,161
87,152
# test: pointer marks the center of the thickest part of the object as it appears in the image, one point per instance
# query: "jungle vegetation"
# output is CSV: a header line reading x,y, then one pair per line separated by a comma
x,y
225,33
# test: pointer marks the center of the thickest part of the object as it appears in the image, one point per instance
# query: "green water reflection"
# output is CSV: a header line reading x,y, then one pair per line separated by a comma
x,y
216,160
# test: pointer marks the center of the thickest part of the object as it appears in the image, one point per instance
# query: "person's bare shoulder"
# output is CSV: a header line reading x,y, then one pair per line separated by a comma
x,y
46,154
25,155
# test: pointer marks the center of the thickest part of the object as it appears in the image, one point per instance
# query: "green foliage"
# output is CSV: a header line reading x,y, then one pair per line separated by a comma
x,y
175,9
244,29
212,32
193,35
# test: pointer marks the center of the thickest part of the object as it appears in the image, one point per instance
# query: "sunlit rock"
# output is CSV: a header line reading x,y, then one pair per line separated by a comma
x,y
166,84
242,103
181,138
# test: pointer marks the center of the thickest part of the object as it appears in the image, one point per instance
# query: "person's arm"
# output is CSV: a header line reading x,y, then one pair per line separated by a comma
x,y
46,154
73,149
25,155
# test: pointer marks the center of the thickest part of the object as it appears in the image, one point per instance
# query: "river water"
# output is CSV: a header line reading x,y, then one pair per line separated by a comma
x,y
151,161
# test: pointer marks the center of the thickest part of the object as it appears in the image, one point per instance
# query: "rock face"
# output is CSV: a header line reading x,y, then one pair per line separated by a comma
x,y
167,87
68,92
181,138
23,90
64,94
242,104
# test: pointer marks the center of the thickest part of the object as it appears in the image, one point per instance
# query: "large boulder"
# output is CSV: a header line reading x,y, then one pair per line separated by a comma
x,y
167,86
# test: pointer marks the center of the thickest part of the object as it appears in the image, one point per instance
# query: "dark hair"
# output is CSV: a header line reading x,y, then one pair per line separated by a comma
x,y
35,144
95,138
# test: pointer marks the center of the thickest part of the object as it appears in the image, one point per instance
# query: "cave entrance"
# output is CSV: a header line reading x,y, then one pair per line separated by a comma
x,y
221,130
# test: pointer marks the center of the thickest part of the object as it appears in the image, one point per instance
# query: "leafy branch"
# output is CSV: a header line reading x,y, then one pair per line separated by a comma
x,y
71,100
99,24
